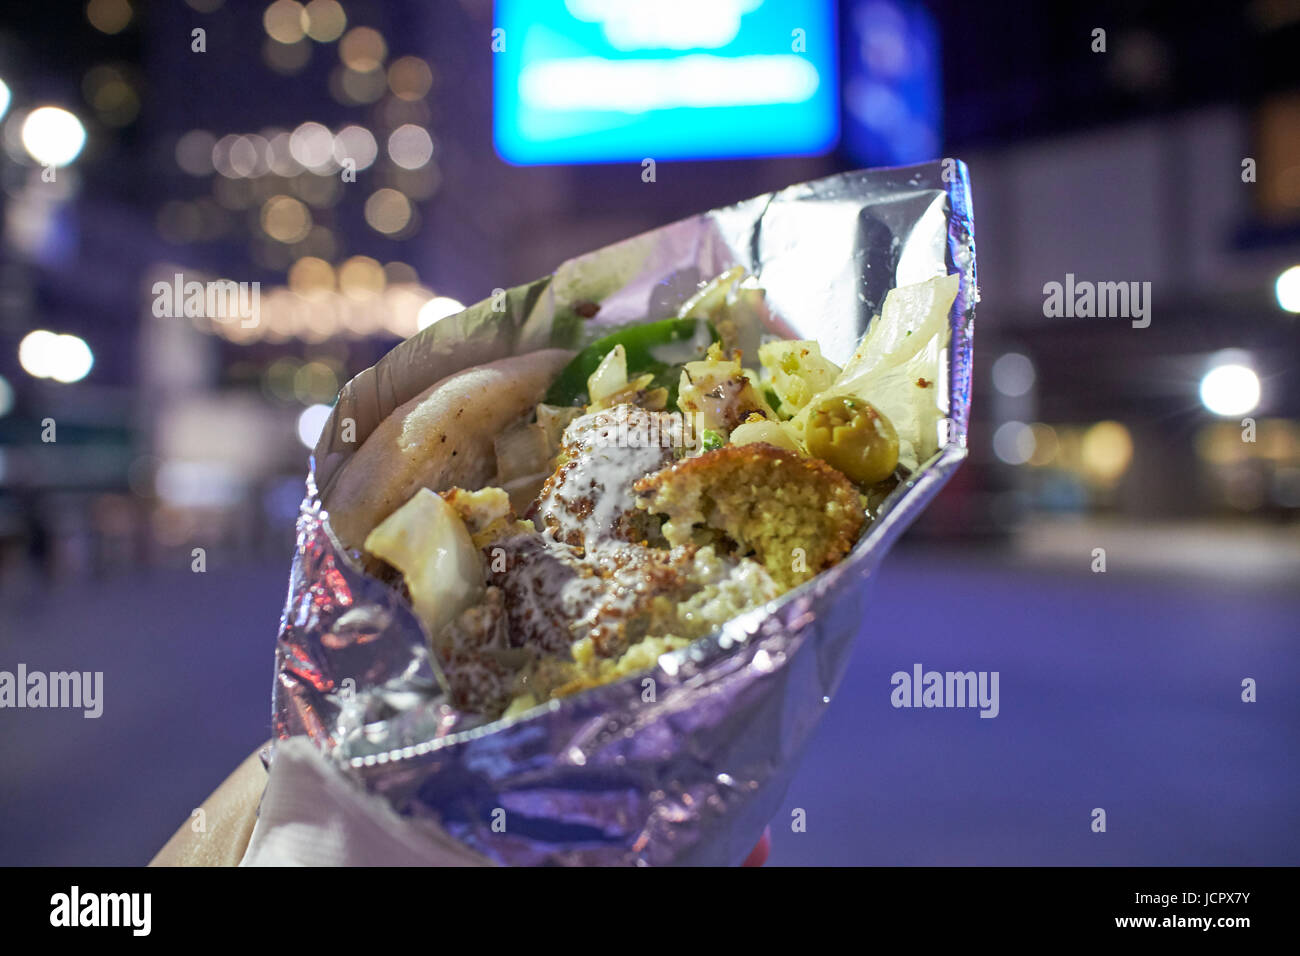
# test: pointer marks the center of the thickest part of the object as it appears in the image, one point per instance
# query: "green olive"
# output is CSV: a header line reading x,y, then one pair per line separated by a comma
x,y
853,436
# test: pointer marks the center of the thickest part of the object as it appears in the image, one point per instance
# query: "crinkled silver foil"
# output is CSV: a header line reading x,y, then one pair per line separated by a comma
x,y
607,776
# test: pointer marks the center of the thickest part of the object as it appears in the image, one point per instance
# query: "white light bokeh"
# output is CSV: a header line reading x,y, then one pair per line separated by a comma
x,y
53,136
312,145
439,307
410,146
74,360
1013,374
311,422
1287,289
1230,389
1013,442
279,156
357,144
36,351
64,358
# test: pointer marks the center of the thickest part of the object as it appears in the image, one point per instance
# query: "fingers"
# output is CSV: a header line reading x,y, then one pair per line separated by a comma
x,y
217,833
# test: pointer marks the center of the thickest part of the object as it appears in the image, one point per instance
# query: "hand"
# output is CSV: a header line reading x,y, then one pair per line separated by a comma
x,y
227,821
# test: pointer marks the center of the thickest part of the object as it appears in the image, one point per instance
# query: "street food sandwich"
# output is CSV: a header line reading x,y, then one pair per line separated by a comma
x,y
560,520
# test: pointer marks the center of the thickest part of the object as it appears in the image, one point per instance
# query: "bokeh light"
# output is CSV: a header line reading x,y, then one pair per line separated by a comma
x,y
399,273
1230,389
387,211
1106,450
111,93
221,156
64,358
1046,445
357,144
109,16
1013,442
311,277
439,307
283,21
278,155
312,145
194,152
410,146
249,156
1013,374
361,277
53,136
35,352
285,219
73,360
315,382
325,20
363,49
311,423
1287,289
409,78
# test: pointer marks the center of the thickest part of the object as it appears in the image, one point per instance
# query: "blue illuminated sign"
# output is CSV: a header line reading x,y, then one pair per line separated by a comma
x,y
591,81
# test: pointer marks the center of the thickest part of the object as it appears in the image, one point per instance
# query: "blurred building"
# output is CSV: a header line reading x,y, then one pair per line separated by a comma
x,y
347,158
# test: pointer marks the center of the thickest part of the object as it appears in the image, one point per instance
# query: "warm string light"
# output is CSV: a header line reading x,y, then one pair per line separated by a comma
x,y
285,179
359,297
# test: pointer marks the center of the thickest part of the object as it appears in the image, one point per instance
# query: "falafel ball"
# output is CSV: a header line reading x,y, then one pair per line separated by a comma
x,y
797,516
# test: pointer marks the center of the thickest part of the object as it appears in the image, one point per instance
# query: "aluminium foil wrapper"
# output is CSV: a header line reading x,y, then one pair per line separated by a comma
x,y
609,776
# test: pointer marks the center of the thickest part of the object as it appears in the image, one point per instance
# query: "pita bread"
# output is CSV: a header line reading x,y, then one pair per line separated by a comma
x,y
440,439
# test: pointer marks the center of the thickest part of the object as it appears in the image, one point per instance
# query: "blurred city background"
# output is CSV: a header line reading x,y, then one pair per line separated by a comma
x,y
373,165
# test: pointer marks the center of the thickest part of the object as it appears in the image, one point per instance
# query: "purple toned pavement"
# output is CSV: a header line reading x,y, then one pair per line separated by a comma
x,y
1115,691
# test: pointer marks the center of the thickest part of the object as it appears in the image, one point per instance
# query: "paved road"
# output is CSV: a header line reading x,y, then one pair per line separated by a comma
x,y
1116,691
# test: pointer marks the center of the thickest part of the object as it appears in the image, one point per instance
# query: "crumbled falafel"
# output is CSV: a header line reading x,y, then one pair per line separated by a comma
x,y
797,516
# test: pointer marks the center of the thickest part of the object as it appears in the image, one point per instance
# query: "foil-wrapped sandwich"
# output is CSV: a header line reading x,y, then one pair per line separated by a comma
x,y
579,568
640,493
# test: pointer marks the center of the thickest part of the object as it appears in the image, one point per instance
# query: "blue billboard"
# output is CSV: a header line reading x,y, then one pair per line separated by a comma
x,y
595,81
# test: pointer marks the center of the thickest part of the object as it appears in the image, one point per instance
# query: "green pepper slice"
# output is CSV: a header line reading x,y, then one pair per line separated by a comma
x,y
651,347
